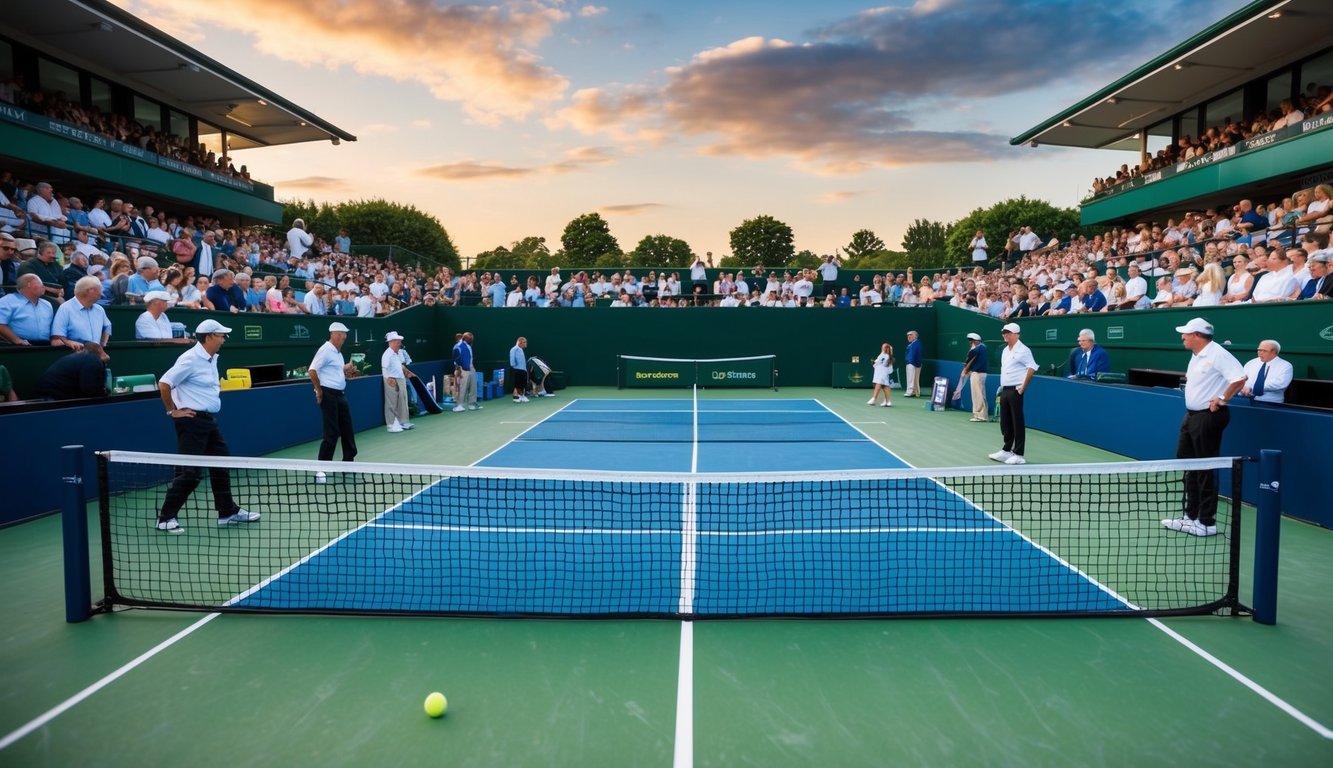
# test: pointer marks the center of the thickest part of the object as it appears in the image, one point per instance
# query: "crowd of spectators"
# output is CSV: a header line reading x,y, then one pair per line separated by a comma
x,y
1317,99
57,106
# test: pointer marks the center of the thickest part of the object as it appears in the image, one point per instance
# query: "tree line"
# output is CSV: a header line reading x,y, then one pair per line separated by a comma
x,y
587,240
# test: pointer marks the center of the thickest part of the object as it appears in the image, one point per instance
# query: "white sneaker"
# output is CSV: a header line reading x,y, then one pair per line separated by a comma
x,y
320,477
1175,523
1196,528
395,427
871,401
974,418
239,516
474,407
170,526
1015,459
1001,456
408,425
546,394
459,409
523,398
887,404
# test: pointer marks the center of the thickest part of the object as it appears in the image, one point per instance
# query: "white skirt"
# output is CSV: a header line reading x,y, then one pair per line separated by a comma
x,y
882,376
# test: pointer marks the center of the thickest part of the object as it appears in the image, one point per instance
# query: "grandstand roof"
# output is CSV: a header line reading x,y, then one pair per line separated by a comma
x,y
105,40
1261,37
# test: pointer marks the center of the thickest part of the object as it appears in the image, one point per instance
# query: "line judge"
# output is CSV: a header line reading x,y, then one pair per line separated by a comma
x,y
328,374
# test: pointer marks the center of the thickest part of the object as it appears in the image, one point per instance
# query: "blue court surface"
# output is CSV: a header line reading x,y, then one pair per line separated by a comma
x,y
785,546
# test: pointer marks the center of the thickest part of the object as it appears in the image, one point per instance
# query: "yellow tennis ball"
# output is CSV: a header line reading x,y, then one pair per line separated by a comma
x,y
436,704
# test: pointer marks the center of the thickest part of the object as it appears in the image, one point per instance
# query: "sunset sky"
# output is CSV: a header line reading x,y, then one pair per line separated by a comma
x,y
509,119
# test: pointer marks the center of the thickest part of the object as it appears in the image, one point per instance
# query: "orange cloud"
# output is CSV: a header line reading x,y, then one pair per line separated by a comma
x,y
472,170
316,183
476,55
630,209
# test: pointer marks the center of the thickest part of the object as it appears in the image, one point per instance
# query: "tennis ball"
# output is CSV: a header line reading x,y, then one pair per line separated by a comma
x,y
436,704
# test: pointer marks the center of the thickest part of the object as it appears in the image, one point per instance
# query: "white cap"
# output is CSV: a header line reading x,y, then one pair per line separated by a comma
x,y
393,336
1183,271
337,328
26,244
210,326
1011,328
1197,325
974,336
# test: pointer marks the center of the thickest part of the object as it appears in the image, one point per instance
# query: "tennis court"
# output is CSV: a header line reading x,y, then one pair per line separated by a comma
x,y
765,537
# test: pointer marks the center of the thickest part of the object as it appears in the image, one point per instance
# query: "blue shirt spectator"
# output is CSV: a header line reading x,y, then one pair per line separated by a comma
x,y
82,319
1088,359
497,293
25,317
913,356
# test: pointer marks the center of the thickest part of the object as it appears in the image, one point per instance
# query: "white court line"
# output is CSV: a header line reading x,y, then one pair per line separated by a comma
x,y
684,756
65,705
1264,693
1267,695
689,535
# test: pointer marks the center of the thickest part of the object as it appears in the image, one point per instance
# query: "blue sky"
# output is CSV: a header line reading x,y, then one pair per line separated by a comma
x,y
507,120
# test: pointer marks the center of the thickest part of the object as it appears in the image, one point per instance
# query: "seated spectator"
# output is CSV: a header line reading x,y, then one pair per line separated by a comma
x,y
1163,297
365,304
1320,285
45,216
83,243
1059,303
7,391
1211,285
1091,299
153,324
1267,376
76,271
82,374
223,295
1089,358
1183,287
82,320
25,318
1241,281
40,259
315,301
145,278
1279,283
255,291
9,259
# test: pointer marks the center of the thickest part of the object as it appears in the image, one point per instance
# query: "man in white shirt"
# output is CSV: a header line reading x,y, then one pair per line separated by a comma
x,y
393,365
365,305
45,216
828,271
803,288
1213,377
1279,283
1016,368
298,240
192,397
314,300
153,324
1135,287
1268,376
1029,240
328,374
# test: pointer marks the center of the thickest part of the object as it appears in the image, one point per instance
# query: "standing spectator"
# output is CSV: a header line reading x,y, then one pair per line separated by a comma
x,y
698,276
979,248
1016,368
1212,378
1089,358
883,375
192,397
977,365
203,257
342,243
25,319
828,271
1268,376
328,374
466,398
912,387
82,374
298,240
518,370
393,365
83,319
1028,241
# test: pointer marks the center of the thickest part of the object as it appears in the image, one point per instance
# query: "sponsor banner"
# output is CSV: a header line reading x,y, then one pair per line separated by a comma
x,y
686,373
13,114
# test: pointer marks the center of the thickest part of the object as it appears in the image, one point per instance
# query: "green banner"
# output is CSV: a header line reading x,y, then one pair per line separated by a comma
x,y
656,372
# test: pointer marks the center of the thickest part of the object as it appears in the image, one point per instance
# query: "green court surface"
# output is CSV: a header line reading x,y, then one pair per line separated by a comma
x,y
143,687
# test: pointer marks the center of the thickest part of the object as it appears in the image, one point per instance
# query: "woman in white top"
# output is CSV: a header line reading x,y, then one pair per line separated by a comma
x,y
1238,287
1319,208
883,367
1211,284
979,248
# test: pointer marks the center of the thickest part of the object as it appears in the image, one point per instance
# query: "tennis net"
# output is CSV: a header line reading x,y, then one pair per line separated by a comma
x,y
407,539
758,371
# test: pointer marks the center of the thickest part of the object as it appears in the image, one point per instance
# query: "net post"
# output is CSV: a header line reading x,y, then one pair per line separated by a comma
x,y
1267,532
74,523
